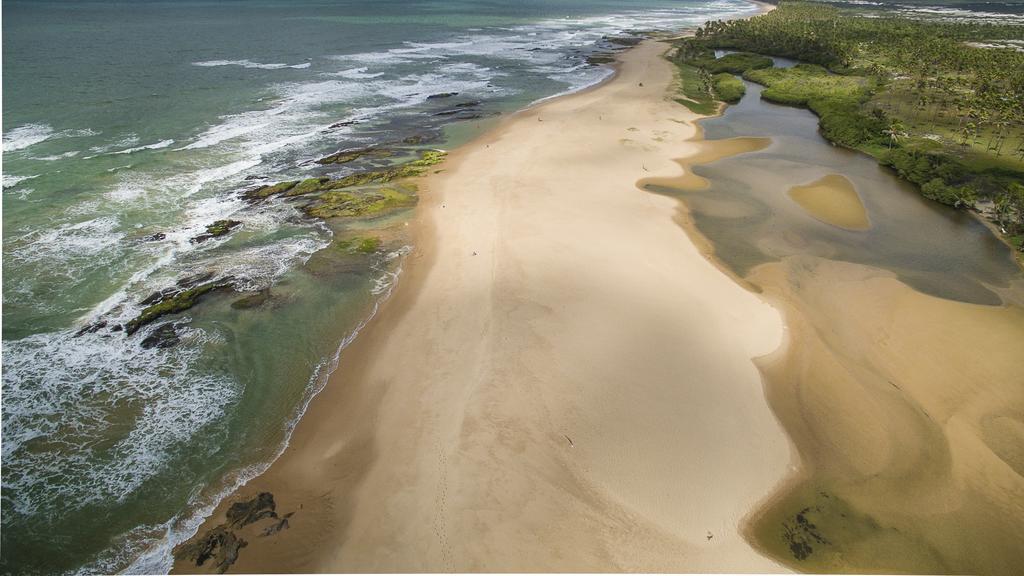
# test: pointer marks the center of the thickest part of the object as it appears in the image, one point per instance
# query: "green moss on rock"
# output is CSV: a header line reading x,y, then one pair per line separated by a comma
x,y
307,186
351,204
179,302
218,228
346,156
270,190
359,244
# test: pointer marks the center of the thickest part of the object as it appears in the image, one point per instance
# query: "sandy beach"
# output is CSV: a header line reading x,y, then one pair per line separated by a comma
x,y
561,381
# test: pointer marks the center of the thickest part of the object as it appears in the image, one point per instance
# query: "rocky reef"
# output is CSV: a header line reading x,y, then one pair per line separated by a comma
x,y
351,204
222,543
217,229
172,302
341,198
353,154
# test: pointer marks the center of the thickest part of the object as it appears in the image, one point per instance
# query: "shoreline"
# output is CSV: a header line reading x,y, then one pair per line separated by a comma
x,y
357,357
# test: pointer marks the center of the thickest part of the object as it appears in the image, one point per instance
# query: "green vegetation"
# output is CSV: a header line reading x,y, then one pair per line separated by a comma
x,y
695,85
728,87
837,100
706,79
921,96
179,302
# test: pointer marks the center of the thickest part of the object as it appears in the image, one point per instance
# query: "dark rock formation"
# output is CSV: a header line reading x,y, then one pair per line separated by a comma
x,y
172,301
91,328
276,527
249,511
219,544
216,229
164,336
442,95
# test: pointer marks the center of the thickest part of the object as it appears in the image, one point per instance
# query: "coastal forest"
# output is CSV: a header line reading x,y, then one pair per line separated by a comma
x,y
939,101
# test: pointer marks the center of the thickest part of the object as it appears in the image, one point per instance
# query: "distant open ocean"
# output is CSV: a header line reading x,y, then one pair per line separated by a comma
x,y
130,126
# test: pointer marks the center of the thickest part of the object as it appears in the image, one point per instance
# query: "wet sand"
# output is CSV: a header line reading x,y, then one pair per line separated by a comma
x,y
908,413
833,200
561,381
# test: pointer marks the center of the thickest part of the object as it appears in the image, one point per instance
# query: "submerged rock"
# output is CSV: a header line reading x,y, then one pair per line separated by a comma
x,y
164,336
194,280
352,154
442,95
601,58
154,237
252,301
91,328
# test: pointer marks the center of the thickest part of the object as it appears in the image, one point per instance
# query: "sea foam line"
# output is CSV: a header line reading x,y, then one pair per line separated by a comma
x,y
158,559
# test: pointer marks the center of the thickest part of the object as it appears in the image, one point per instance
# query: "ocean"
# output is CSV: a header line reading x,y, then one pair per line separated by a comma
x,y
128,128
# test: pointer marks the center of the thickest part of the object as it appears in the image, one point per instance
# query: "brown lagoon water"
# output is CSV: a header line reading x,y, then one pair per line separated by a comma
x,y
902,381
751,219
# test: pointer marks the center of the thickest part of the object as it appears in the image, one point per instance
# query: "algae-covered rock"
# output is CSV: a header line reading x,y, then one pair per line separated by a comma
x,y
264,192
307,186
218,228
350,155
359,244
172,304
350,204
407,170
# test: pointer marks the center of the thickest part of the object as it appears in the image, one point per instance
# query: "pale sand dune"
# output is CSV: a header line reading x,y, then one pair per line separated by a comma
x,y
561,380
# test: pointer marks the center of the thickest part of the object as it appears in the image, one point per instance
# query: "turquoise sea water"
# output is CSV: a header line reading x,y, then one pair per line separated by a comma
x,y
125,120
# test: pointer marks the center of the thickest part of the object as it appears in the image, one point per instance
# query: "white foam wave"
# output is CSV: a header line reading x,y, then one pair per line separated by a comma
x,y
357,73
250,64
64,156
78,430
31,134
12,180
25,136
154,146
